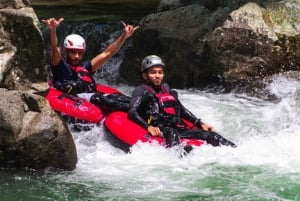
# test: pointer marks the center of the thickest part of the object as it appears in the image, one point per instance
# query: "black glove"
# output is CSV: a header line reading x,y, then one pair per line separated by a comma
x,y
66,86
198,123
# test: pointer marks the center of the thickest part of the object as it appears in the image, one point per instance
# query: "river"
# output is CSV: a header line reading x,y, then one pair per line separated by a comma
x,y
264,167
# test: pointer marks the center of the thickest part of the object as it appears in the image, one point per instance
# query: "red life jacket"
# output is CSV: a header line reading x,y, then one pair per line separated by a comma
x,y
83,74
167,102
85,82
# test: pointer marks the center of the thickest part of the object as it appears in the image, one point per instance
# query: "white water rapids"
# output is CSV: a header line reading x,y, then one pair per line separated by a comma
x,y
264,166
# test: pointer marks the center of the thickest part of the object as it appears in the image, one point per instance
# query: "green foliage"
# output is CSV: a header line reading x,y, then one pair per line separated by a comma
x,y
283,17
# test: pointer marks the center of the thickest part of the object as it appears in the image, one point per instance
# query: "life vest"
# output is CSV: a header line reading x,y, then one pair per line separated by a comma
x,y
85,82
167,104
83,74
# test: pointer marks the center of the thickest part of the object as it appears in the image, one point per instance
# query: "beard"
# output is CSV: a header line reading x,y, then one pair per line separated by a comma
x,y
73,62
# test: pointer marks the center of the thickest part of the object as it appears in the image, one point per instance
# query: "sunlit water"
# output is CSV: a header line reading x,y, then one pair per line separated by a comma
x,y
264,166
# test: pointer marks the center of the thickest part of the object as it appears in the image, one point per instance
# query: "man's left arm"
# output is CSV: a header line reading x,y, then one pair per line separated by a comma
x,y
189,116
113,48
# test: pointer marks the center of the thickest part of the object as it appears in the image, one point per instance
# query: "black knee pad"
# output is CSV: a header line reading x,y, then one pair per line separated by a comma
x,y
171,136
219,140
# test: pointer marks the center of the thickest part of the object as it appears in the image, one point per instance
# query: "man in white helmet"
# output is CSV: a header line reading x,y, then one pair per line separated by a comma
x,y
73,76
156,107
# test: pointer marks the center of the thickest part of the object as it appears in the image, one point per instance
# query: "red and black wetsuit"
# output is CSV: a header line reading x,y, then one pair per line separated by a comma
x,y
146,109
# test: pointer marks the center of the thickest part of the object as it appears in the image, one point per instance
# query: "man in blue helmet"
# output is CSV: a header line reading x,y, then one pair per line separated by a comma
x,y
156,107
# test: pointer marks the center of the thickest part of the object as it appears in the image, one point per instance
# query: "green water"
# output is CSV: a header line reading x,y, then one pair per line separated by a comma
x,y
211,182
102,11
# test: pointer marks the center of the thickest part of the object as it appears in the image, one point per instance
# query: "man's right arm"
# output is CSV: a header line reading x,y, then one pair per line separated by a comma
x,y
135,104
133,114
52,24
56,54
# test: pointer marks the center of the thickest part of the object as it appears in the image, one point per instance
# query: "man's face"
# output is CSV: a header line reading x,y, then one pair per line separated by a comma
x,y
154,75
74,56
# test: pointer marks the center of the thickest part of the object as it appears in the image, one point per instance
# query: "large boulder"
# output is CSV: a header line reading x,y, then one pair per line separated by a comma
x,y
31,133
214,45
175,35
22,48
14,3
251,46
165,5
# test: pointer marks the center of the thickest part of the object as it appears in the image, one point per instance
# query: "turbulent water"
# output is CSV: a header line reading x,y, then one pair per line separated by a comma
x,y
264,166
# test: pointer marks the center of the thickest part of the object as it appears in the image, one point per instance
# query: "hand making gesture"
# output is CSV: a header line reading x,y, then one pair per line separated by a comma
x,y
52,23
129,29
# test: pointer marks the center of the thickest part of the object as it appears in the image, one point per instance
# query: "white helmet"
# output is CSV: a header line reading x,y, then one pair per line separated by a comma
x,y
150,61
74,42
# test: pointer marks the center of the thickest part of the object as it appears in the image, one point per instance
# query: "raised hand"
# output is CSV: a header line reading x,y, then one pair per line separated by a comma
x,y
52,23
129,29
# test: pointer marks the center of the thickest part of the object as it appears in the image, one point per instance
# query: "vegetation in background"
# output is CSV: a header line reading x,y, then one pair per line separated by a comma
x,y
95,10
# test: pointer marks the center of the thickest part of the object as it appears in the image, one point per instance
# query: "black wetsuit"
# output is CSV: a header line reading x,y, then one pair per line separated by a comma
x,y
144,106
74,80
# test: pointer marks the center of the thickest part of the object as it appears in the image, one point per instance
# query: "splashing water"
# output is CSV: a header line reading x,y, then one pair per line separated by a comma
x,y
264,166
